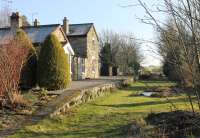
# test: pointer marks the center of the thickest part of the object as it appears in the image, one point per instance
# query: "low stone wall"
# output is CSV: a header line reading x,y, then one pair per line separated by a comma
x,y
127,80
83,96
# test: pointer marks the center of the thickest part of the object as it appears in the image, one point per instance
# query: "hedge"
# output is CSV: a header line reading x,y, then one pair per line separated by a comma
x,y
53,65
29,70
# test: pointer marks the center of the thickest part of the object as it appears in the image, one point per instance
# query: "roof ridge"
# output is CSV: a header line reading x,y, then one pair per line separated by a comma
x,y
82,24
46,25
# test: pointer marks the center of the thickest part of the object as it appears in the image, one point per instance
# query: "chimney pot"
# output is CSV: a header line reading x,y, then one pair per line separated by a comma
x,y
15,20
17,13
66,25
36,22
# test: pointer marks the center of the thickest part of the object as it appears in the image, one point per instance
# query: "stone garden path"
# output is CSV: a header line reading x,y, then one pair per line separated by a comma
x,y
67,94
78,85
84,84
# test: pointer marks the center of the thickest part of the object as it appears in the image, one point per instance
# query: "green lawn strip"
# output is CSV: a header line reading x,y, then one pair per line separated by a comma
x,y
105,117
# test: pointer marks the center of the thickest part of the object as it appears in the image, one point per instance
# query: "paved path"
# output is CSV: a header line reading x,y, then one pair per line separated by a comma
x,y
75,85
84,84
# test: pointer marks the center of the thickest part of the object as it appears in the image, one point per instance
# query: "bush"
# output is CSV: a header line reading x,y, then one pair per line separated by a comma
x,y
53,67
171,71
19,101
29,70
12,58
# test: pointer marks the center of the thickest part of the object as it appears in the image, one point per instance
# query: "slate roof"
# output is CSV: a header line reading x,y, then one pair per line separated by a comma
x,y
5,33
39,33
36,34
79,29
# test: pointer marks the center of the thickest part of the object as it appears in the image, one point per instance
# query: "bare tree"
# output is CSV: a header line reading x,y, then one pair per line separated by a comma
x,y
184,17
125,53
114,39
13,56
5,13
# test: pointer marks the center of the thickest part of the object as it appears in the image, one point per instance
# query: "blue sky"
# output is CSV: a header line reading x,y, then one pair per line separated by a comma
x,y
106,14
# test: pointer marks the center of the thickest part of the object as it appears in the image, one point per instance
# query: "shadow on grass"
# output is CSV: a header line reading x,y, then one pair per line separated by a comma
x,y
156,81
174,101
149,85
109,125
75,134
139,88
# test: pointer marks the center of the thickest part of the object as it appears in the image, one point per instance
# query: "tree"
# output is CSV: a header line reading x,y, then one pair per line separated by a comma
x,y
29,70
106,56
121,51
129,56
53,66
170,49
184,16
114,40
106,59
13,56
25,21
5,17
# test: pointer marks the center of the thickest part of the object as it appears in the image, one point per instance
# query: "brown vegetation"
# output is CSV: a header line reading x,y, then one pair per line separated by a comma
x,y
177,124
13,55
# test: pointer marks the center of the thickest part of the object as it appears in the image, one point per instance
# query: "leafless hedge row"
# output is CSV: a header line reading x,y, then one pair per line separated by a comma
x,y
179,40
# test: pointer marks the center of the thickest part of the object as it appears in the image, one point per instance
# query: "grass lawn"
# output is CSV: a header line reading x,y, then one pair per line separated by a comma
x,y
105,117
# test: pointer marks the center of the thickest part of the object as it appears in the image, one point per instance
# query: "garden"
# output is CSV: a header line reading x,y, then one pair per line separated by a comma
x,y
125,113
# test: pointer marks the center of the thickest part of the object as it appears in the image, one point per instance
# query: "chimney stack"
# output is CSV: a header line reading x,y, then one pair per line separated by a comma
x,y
15,20
36,23
66,25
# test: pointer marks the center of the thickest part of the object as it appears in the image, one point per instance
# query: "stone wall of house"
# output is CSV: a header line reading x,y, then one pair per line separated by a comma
x,y
92,60
79,45
58,32
88,47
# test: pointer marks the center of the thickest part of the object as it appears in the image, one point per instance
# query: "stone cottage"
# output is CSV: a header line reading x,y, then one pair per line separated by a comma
x,y
85,43
37,33
80,41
